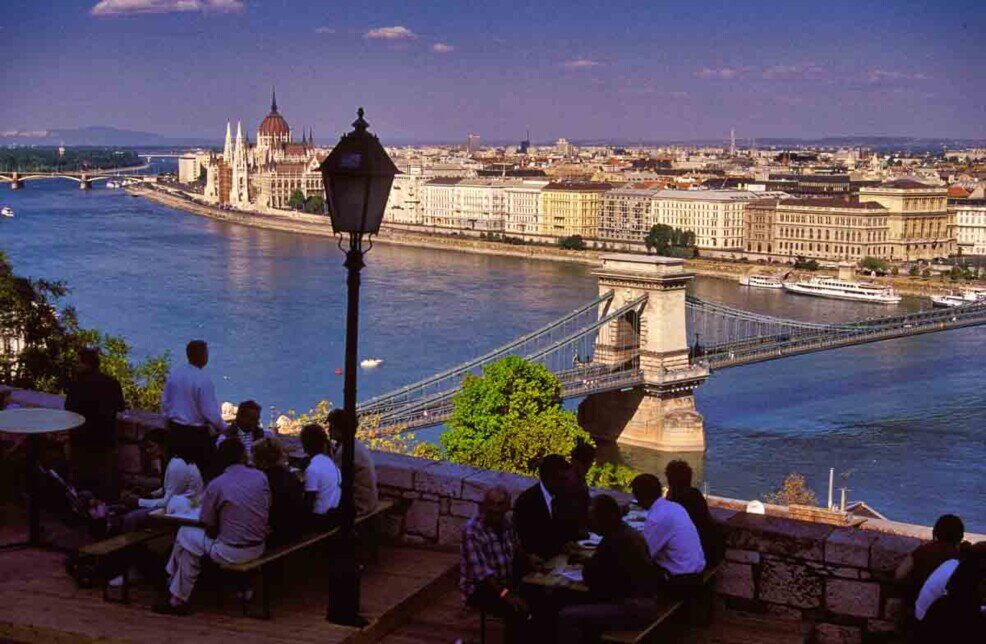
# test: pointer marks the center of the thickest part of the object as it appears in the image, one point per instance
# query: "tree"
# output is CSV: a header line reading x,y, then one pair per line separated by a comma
x,y
913,270
659,238
875,265
793,491
297,200
803,264
573,242
315,205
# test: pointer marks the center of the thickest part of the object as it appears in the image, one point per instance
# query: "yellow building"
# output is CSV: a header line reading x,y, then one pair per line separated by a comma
x,y
917,221
571,208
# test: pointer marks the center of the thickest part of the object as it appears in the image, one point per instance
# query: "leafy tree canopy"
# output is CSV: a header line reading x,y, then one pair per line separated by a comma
x,y
297,200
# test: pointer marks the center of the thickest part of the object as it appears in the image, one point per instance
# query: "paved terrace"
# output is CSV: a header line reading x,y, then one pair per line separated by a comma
x,y
785,578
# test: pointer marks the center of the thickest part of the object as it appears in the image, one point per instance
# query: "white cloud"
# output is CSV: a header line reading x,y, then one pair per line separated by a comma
x,y
123,7
722,73
397,32
802,71
581,63
442,48
324,30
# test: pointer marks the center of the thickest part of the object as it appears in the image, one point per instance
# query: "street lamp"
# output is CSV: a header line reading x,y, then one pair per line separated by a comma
x,y
357,177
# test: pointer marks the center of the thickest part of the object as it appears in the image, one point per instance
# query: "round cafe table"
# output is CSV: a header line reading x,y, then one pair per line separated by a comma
x,y
33,422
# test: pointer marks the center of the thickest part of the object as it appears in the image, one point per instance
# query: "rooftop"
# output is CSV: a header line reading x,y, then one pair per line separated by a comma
x,y
822,202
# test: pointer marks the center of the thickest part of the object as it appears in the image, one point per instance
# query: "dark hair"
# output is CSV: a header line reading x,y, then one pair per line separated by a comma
x,y
552,466
313,439
89,356
195,349
679,474
249,404
948,529
646,487
230,452
335,419
606,511
584,453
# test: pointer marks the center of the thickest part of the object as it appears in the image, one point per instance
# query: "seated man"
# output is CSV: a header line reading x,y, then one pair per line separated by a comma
x,y
581,460
364,472
621,578
288,509
235,511
671,537
914,570
246,427
542,513
489,549
322,479
681,491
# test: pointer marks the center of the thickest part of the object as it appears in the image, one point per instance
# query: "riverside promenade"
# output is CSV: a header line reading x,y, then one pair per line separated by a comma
x,y
790,575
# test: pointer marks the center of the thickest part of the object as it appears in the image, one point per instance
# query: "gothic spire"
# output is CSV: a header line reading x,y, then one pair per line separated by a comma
x,y
228,148
311,136
273,100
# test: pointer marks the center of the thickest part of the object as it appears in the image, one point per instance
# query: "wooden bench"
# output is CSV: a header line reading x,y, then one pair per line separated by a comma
x,y
106,555
665,609
274,555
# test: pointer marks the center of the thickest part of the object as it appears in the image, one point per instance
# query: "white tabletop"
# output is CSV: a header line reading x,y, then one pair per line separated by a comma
x,y
30,420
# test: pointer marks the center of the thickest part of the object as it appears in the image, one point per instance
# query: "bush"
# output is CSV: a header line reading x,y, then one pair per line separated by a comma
x,y
913,270
803,264
793,491
875,265
574,242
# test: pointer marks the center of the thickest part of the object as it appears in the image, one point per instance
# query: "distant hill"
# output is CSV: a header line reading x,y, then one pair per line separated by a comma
x,y
95,135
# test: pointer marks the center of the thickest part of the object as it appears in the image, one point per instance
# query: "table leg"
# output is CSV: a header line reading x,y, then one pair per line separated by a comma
x,y
33,503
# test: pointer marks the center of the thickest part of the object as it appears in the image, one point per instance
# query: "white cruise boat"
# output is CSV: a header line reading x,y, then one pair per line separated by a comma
x,y
7,211
113,184
839,289
761,281
949,300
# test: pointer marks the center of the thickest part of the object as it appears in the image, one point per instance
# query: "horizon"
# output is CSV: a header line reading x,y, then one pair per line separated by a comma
x,y
585,70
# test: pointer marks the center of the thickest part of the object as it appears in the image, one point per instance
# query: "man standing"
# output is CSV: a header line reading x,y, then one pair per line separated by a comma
x,y
189,404
542,514
235,512
98,398
364,472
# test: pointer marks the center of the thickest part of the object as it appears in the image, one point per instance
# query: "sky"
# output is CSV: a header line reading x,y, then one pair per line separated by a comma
x,y
435,70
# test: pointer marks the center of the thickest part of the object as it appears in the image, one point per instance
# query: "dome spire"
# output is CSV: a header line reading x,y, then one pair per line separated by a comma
x,y
273,100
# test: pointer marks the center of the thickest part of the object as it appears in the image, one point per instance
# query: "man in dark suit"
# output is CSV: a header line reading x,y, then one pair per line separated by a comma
x,y
542,514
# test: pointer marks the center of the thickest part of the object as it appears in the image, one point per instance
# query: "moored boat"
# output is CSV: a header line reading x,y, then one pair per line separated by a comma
x,y
840,289
7,211
370,363
949,300
761,281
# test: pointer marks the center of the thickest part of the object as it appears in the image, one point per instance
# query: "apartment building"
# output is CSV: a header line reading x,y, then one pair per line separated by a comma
x,y
917,218
969,216
521,206
824,229
715,216
571,208
627,214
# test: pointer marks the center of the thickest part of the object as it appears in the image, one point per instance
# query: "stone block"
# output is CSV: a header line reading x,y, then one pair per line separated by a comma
x,y
736,580
450,530
844,573
129,459
393,525
836,634
442,478
429,497
889,550
743,556
856,598
422,519
785,613
396,470
28,398
893,609
777,536
849,547
475,486
789,583
880,626
464,509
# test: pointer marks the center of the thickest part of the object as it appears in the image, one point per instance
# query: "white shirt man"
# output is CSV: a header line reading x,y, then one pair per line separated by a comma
x,y
934,588
189,398
672,539
322,478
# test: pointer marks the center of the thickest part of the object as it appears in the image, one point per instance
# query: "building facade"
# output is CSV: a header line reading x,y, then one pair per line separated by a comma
x,y
970,225
917,220
829,230
715,216
571,208
521,206
438,202
627,214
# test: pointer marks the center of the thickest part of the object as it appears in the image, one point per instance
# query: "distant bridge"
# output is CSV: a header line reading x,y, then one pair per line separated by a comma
x,y
85,178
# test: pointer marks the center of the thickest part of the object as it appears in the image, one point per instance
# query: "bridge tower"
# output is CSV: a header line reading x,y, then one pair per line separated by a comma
x,y
659,414
85,183
16,183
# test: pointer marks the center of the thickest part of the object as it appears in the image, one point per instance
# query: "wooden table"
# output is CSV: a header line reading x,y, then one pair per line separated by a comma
x,y
33,422
175,519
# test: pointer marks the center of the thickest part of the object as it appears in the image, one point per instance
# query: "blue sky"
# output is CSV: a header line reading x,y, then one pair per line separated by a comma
x,y
437,69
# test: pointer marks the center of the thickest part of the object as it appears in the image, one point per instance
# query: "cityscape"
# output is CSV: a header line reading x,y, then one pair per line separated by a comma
x,y
574,322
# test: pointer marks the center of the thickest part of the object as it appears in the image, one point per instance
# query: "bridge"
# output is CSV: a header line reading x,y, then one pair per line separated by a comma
x,y
85,178
637,352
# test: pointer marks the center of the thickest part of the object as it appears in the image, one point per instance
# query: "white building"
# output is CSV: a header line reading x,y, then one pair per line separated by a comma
x,y
478,205
970,225
438,202
521,206
627,214
715,216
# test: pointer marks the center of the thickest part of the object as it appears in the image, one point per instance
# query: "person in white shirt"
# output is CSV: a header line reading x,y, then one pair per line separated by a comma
x,y
322,478
671,536
189,404
181,478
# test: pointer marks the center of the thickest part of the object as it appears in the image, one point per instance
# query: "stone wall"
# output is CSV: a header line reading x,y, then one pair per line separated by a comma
x,y
833,583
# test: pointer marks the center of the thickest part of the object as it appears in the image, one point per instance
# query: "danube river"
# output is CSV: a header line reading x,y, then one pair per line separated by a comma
x,y
904,419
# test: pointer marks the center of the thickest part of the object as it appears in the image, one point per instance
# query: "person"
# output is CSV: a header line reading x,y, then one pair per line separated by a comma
x,y
544,525
364,472
671,537
488,572
914,570
98,397
681,491
181,478
950,606
287,507
246,427
322,479
235,512
580,461
620,575
189,405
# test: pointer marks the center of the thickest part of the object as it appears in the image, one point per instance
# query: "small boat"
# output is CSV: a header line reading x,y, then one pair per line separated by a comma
x,y
761,281
839,289
113,184
7,211
338,371
370,363
949,300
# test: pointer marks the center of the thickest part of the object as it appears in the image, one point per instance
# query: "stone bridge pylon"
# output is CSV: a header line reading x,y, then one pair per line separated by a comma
x,y
659,414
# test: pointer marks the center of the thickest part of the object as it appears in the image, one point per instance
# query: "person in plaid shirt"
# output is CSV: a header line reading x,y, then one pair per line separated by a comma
x,y
489,551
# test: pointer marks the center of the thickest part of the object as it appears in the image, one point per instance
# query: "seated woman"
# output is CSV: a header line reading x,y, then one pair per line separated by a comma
x,y
287,509
182,478
322,478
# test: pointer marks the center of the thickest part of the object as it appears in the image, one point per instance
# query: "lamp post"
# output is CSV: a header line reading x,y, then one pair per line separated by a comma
x,y
357,177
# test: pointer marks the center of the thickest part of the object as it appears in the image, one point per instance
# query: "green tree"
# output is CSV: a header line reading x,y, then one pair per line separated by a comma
x,y
573,242
315,205
297,200
874,265
793,491
659,238
913,270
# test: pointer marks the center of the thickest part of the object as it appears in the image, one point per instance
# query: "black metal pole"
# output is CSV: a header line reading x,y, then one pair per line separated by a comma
x,y
344,576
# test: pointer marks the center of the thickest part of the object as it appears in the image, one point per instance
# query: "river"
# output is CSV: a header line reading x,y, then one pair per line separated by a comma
x,y
903,418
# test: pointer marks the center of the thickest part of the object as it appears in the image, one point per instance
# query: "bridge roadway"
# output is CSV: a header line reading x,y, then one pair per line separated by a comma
x,y
18,176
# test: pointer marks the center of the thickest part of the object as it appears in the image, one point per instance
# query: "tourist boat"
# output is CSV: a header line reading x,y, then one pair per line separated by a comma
x,y
839,289
7,211
761,281
370,363
113,184
950,300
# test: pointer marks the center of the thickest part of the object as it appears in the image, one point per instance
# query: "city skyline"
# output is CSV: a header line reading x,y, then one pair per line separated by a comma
x,y
584,70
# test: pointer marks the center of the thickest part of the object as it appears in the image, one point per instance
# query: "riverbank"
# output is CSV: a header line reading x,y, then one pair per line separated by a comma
x,y
319,225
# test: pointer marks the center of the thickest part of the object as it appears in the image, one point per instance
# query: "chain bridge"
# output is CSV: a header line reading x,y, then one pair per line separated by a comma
x,y
637,352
